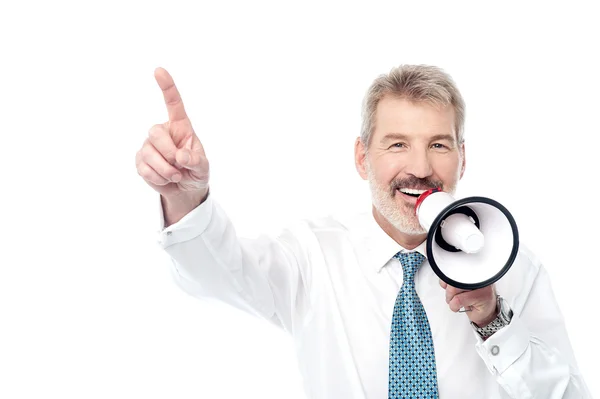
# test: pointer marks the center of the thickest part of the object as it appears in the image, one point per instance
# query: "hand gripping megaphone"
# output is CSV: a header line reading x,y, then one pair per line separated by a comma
x,y
471,242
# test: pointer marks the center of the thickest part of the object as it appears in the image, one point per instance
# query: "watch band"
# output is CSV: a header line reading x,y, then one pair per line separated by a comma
x,y
502,319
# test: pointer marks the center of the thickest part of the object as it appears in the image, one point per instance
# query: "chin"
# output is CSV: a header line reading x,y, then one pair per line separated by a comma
x,y
408,228
405,224
398,212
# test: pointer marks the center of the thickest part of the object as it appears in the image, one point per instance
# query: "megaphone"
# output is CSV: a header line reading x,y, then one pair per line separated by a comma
x,y
471,242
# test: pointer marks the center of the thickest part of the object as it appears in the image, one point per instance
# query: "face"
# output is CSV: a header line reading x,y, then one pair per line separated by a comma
x,y
413,148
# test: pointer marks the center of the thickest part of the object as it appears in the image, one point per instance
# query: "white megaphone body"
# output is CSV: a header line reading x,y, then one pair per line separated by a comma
x,y
471,242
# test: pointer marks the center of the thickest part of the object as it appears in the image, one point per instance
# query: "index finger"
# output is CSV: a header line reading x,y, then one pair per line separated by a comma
x,y
172,97
451,292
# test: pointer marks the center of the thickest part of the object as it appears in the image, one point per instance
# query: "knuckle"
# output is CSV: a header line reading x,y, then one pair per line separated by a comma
x,y
156,132
146,151
169,155
145,172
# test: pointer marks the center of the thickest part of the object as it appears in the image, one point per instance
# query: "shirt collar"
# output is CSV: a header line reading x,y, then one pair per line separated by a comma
x,y
379,246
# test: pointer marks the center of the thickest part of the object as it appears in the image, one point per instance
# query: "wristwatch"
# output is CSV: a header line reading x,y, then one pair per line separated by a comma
x,y
502,319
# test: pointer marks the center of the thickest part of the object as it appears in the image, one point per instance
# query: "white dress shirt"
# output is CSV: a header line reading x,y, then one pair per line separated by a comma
x,y
332,284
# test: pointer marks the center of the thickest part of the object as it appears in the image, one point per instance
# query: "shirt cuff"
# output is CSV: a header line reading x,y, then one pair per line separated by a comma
x,y
190,226
503,348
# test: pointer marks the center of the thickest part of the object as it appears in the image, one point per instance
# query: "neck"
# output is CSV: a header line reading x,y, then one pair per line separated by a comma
x,y
408,241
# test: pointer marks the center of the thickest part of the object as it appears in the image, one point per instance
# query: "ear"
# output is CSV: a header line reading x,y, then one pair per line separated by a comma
x,y
463,161
360,158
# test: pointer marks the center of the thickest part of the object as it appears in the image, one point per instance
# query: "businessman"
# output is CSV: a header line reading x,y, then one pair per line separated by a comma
x,y
368,316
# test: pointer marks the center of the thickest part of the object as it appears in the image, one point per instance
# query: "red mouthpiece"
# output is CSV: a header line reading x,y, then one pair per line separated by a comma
x,y
424,195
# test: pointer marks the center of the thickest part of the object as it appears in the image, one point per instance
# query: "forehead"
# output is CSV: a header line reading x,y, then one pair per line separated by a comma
x,y
399,115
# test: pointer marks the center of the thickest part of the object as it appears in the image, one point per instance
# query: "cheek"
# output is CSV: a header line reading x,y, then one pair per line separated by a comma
x,y
446,168
386,169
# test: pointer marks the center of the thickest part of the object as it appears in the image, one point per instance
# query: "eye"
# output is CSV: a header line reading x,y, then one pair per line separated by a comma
x,y
398,145
440,146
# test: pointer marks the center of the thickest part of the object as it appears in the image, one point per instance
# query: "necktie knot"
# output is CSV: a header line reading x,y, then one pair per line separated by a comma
x,y
410,262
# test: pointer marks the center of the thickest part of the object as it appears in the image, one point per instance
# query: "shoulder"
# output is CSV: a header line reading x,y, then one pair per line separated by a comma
x,y
527,258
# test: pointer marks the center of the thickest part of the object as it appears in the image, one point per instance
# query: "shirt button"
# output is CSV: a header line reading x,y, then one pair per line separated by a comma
x,y
495,350
169,233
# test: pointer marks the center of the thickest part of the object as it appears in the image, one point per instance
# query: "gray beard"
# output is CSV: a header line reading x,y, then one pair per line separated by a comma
x,y
402,217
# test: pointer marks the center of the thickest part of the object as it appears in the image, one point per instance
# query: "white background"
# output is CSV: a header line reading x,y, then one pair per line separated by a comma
x,y
87,308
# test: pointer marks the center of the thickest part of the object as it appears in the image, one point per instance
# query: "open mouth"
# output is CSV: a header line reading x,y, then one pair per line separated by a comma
x,y
411,192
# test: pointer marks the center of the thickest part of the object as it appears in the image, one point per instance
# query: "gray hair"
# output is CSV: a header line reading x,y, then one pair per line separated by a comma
x,y
415,83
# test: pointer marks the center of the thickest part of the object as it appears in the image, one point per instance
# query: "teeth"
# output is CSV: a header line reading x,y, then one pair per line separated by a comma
x,y
412,191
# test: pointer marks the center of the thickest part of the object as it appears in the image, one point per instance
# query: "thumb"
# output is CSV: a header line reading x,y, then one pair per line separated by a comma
x,y
190,159
185,155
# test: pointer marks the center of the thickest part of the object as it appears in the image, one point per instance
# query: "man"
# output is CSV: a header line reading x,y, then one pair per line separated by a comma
x,y
368,315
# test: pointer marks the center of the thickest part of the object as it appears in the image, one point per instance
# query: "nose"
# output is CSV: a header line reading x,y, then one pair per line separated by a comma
x,y
419,164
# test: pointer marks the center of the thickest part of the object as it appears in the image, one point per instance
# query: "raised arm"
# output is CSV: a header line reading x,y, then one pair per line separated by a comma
x,y
172,160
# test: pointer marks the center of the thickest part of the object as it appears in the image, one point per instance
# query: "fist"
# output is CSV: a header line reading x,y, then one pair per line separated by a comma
x,y
172,160
479,304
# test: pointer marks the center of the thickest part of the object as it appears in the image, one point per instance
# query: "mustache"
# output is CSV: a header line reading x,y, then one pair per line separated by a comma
x,y
416,183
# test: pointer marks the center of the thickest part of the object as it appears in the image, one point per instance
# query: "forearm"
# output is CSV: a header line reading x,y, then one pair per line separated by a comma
x,y
209,260
204,271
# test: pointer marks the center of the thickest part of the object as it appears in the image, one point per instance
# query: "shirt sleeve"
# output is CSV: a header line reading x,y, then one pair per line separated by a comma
x,y
264,276
532,357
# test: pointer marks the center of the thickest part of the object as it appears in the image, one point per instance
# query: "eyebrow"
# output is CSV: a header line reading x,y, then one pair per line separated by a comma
x,y
394,136
449,137
402,136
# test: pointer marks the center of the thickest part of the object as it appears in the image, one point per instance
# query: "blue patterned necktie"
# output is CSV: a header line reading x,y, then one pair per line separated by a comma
x,y
412,372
